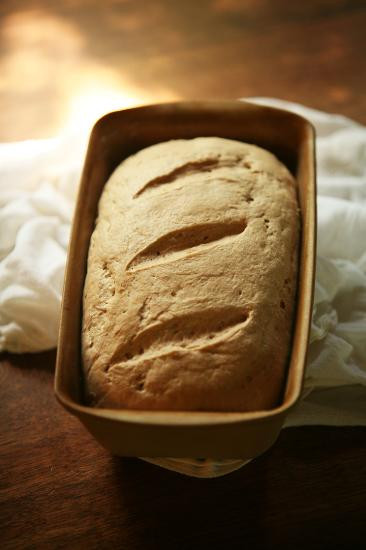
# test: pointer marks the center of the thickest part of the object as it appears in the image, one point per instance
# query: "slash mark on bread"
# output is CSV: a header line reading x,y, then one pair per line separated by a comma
x,y
170,246
191,331
197,167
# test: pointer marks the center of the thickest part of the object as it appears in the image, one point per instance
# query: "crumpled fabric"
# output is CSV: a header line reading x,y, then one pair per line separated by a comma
x,y
38,182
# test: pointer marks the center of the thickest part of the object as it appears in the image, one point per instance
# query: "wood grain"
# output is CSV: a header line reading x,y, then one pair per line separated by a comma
x,y
58,488
58,59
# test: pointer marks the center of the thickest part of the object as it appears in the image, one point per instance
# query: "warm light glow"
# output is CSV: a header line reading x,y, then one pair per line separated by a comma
x,y
91,100
47,58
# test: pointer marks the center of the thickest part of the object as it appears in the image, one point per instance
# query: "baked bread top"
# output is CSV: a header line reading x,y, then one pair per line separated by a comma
x,y
189,293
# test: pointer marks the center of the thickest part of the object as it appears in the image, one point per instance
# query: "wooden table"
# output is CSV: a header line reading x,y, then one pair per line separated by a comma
x,y
58,488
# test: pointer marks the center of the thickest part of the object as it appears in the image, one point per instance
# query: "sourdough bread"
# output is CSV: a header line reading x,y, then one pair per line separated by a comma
x,y
191,278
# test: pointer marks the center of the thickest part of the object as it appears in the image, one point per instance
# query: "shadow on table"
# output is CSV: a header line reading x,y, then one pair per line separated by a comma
x,y
299,494
170,510
43,361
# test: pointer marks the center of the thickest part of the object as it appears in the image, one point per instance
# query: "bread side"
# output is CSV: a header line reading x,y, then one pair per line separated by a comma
x,y
189,293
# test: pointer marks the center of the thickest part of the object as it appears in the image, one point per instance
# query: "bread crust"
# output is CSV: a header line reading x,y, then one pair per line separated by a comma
x,y
189,293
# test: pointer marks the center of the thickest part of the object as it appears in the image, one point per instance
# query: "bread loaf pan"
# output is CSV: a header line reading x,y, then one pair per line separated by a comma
x,y
185,434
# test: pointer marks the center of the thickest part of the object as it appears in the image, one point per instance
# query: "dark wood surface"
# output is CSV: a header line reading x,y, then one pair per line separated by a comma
x,y
53,53
58,488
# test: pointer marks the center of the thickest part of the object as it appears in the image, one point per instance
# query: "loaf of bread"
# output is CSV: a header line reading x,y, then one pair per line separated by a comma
x,y
191,277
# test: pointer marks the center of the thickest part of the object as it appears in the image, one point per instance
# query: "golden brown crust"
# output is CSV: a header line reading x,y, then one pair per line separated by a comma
x,y
189,294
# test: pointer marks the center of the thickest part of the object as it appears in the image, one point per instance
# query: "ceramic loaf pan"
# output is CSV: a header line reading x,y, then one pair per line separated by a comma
x,y
185,434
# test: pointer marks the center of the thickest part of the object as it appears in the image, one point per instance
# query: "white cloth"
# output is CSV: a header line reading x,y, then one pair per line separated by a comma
x,y
38,181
